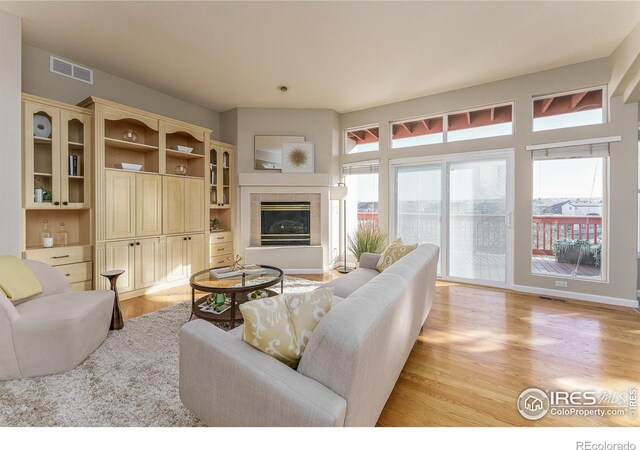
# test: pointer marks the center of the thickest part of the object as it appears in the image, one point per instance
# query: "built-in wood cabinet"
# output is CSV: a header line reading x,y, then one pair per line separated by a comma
x,y
185,256
148,205
139,258
57,152
56,155
120,204
183,205
150,188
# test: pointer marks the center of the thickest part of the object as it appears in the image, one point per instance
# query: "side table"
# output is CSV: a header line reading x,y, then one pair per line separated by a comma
x,y
117,322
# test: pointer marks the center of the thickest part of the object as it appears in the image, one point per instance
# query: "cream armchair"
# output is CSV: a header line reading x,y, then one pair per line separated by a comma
x,y
54,331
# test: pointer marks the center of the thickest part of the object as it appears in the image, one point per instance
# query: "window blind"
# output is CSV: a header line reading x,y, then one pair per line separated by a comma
x,y
600,149
361,168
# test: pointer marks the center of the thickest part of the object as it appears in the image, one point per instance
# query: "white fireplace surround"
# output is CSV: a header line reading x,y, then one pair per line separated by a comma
x,y
313,187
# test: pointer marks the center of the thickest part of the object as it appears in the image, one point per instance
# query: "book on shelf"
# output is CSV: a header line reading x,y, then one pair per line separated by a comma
x,y
73,165
226,272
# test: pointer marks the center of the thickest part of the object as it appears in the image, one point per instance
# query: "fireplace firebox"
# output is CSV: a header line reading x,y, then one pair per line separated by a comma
x,y
285,223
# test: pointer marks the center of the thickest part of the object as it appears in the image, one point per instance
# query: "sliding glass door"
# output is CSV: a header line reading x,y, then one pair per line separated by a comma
x,y
419,203
461,203
478,220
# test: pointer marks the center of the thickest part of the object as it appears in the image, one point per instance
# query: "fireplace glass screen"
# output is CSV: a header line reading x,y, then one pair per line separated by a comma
x,y
285,223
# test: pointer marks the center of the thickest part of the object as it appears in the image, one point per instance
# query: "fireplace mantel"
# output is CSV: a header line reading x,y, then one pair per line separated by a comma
x,y
273,178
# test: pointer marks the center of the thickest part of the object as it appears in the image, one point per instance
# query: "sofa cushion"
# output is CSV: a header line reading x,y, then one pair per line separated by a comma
x,y
346,285
67,306
17,280
281,326
393,253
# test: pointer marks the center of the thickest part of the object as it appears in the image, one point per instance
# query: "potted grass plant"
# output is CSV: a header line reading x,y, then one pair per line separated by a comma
x,y
367,238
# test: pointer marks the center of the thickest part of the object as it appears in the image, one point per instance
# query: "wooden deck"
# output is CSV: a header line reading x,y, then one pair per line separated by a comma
x,y
547,265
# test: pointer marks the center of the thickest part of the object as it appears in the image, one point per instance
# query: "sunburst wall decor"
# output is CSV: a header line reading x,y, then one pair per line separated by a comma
x,y
297,157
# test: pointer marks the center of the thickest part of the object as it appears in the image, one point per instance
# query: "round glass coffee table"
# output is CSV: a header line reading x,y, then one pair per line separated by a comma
x,y
236,289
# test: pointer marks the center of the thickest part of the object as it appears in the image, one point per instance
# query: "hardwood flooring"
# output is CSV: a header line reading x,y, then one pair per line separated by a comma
x,y
481,347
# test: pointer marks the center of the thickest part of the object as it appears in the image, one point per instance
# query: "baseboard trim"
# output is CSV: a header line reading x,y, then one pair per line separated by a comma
x,y
615,301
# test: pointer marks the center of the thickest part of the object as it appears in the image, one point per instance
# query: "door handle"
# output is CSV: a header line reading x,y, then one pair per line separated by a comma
x,y
131,244
56,203
65,203
508,219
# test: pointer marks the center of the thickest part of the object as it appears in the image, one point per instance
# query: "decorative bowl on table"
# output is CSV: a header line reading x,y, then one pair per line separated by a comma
x,y
128,166
257,294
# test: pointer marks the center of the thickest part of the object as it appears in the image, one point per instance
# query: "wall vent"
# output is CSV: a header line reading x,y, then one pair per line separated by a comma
x,y
70,70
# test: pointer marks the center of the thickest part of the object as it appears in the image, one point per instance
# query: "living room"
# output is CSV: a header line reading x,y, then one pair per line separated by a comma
x,y
498,180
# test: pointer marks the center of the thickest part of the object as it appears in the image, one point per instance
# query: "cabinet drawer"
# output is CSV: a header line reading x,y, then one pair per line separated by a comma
x,y
221,249
76,273
58,256
220,236
220,260
81,286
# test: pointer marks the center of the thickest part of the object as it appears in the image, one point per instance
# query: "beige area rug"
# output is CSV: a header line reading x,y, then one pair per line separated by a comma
x,y
130,381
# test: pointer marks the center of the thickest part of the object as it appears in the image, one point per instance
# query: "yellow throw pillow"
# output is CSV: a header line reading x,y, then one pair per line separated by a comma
x,y
17,281
393,253
281,326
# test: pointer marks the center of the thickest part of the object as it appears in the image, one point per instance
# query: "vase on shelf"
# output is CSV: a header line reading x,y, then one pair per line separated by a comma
x,y
181,169
46,237
62,236
129,136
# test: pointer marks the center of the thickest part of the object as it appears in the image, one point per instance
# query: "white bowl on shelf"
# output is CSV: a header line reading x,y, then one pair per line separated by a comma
x,y
129,166
183,148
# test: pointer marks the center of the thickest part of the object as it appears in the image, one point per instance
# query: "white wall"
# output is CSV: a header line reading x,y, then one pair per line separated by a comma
x,y
10,126
623,162
38,80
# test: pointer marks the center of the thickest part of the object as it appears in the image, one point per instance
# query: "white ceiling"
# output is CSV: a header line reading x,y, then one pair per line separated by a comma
x,y
340,55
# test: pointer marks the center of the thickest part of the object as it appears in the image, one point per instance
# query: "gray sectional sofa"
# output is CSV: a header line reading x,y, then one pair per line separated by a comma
x,y
347,371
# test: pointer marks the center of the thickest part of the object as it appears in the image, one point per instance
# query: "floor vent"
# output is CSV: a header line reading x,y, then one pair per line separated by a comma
x,y
70,70
553,299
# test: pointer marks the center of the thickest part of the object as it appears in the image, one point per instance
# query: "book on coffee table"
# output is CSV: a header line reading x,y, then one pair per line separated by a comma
x,y
226,272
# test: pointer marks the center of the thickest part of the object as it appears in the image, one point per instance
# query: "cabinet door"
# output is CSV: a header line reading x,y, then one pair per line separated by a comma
x,y
120,205
120,256
177,267
172,205
147,262
148,205
75,160
194,205
41,155
195,253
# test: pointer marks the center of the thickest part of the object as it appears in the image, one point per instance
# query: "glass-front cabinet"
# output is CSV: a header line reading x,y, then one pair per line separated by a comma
x,y
56,157
220,175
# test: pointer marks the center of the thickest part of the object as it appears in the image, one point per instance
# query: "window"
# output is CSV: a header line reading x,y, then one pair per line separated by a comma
x,y
487,122
417,132
362,199
360,140
568,110
569,205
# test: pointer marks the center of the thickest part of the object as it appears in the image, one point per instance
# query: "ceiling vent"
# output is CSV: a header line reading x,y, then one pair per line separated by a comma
x,y
67,69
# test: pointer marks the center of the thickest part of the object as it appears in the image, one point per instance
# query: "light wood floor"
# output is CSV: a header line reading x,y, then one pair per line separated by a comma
x,y
481,347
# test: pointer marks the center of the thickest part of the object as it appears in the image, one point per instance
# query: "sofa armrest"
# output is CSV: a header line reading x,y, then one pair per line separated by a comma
x,y
51,279
226,382
369,260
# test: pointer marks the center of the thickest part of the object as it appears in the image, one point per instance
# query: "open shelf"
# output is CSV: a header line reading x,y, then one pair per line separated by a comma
x,y
76,222
42,140
127,145
183,155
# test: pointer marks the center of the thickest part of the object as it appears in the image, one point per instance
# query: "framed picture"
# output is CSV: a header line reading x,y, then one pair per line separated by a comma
x,y
297,157
268,151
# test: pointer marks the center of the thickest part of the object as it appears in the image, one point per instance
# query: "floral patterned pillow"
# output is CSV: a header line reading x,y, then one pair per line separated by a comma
x,y
281,326
393,253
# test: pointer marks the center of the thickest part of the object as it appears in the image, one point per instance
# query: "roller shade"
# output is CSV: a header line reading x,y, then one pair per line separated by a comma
x,y
361,168
575,149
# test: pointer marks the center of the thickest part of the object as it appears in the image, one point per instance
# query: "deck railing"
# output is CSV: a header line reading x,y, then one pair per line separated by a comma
x,y
545,230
